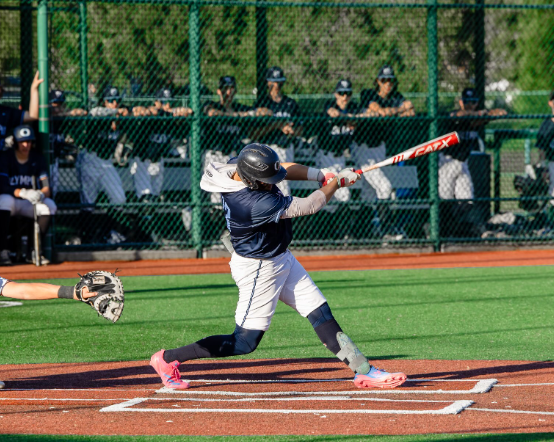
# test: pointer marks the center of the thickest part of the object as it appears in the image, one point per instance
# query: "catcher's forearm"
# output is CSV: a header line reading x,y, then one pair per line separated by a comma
x,y
34,290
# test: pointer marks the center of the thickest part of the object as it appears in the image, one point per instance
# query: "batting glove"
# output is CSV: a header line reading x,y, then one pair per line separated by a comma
x,y
325,177
347,177
33,196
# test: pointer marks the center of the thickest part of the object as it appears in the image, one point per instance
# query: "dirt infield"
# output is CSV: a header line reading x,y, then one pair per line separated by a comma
x,y
311,263
303,397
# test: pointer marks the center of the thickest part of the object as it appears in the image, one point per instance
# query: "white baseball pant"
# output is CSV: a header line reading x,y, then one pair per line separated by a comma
x,y
21,207
148,177
551,179
3,282
454,179
263,282
95,175
364,156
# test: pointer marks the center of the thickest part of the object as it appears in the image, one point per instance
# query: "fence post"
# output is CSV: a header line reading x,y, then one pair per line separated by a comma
x,y
26,50
195,157
43,117
432,110
479,49
261,51
83,31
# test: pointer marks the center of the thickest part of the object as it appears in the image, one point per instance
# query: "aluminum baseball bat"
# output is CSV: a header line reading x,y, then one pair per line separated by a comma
x,y
428,147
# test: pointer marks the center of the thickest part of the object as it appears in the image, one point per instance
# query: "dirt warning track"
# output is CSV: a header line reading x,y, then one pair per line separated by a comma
x,y
287,396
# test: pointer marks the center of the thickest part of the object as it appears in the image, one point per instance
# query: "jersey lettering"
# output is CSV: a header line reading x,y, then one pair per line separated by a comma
x,y
227,211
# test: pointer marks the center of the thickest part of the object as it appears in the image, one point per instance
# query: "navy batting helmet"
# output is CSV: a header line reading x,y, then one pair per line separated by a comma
x,y
24,133
258,163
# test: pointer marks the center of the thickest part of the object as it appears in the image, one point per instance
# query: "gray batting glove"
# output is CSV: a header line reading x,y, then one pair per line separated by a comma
x,y
347,177
33,196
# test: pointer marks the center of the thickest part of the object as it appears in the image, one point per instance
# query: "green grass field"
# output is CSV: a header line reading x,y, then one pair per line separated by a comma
x,y
475,313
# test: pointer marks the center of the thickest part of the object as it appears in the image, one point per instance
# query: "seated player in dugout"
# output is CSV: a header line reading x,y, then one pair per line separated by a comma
x,y
95,166
153,141
11,117
337,134
62,144
224,136
280,135
259,217
369,146
455,180
23,184
545,144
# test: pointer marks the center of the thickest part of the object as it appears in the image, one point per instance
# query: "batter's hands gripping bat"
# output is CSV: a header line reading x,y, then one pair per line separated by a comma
x,y
37,229
428,147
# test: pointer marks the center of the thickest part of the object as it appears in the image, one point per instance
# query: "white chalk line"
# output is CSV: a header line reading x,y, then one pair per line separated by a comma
x,y
525,385
58,399
454,408
307,381
6,304
502,410
481,386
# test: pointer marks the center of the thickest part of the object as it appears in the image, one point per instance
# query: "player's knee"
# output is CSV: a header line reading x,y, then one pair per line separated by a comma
x,y
246,341
7,202
320,315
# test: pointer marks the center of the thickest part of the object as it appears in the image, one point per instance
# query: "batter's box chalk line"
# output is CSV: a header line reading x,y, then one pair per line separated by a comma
x,y
455,407
481,386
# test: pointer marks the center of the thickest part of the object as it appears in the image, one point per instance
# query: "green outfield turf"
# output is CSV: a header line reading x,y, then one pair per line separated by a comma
x,y
476,313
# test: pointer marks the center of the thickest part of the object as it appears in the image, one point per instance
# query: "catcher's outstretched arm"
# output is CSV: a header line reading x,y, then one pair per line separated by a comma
x,y
39,290
103,291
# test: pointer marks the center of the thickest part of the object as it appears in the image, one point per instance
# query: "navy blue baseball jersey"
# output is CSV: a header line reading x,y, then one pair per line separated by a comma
x,y
337,135
545,139
9,119
394,99
254,221
469,137
14,175
287,107
223,133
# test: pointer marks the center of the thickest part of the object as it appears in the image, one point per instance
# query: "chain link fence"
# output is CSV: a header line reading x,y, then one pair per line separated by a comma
x,y
144,94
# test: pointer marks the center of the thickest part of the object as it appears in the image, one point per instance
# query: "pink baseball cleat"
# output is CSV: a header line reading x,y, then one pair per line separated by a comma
x,y
379,379
169,373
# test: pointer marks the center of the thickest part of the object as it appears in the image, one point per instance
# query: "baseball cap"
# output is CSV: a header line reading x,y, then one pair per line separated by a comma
x,y
56,96
386,71
227,81
344,86
469,94
164,95
276,74
111,93
24,133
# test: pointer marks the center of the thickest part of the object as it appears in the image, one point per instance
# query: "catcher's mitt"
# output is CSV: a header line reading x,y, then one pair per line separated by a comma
x,y
110,298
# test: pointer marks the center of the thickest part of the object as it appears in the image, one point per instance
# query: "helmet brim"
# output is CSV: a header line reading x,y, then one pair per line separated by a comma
x,y
277,178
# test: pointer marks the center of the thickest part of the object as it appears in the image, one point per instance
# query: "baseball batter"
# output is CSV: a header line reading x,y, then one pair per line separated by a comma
x,y
23,183
258,217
